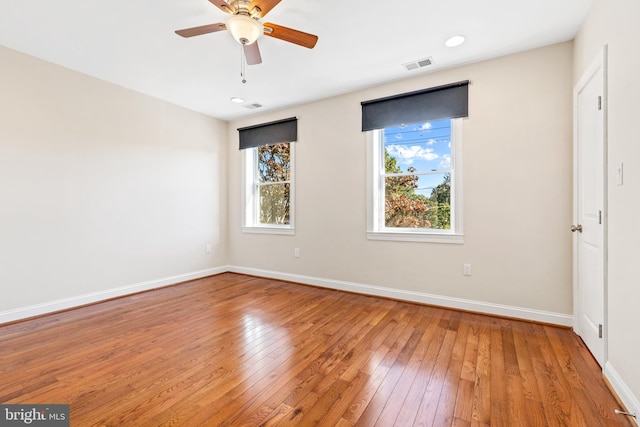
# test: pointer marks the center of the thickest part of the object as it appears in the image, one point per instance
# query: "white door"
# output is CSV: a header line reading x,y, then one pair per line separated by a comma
x,y
589,209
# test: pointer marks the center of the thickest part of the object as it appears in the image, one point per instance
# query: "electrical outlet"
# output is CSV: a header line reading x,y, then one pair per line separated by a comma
x,y
296,252
466,270
207,248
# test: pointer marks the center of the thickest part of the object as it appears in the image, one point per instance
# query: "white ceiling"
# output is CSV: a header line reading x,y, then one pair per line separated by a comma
x,y
361,43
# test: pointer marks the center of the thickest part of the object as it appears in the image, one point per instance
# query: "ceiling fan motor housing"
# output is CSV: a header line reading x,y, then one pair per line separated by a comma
x,y
244,7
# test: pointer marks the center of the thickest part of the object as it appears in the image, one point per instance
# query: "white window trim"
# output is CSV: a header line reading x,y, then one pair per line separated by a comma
x,y
375,190
250,222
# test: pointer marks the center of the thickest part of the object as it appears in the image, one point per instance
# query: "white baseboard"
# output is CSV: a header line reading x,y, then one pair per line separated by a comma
x,y
623,391
71,302
419,297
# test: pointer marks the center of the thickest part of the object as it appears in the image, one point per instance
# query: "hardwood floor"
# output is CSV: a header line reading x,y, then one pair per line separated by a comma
x,y
233,350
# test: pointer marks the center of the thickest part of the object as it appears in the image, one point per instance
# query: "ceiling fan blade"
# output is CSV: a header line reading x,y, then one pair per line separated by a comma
x,y
264,5
223,6
290,35
204,29
252,53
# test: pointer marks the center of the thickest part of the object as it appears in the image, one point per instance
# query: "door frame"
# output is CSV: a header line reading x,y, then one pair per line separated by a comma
x,y
599,62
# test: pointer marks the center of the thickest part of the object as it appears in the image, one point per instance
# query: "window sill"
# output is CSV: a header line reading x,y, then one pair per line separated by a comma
x,y
416,237
287,231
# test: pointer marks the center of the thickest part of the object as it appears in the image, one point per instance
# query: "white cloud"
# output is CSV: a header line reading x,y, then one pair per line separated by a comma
x,y
431,142
425,126
408,154
445,162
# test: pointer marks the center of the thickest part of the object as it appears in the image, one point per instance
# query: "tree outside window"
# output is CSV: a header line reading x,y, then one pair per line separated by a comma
x,y
273,184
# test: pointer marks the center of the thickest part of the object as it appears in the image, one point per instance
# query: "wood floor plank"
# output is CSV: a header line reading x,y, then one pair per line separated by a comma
x,y
464,405
399,380
373,402
413,376
436,383
529,391
554,390
481,414
236,350
449,394
333,416
499,394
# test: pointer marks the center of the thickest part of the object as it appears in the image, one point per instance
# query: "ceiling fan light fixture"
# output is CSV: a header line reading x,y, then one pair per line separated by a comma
x,y
244,29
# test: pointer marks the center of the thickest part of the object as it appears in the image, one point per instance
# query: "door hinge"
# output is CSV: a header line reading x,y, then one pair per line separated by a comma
x,y
599,331
599,103
599,217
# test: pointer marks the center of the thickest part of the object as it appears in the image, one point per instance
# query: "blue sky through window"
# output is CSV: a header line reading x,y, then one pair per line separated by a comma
x,y
423,146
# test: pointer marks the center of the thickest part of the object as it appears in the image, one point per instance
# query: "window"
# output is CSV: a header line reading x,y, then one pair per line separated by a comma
x,y
268,176
415,182
414,155
269,189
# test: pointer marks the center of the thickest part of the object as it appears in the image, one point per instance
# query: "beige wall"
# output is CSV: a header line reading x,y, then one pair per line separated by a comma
x,y
615,23
517,191
101,187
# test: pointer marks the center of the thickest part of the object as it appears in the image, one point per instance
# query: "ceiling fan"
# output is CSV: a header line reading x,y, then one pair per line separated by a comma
x,y
245,26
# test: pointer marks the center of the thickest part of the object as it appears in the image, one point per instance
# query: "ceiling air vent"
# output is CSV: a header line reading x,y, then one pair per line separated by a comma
x,y
253,106
420,63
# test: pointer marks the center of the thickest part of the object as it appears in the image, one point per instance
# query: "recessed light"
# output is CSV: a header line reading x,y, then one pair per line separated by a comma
x,y
454,41
237,100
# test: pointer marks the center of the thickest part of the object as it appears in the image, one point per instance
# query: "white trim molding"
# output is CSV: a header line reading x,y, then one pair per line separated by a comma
x,y
416,237
250,195
376,229
629,400
559,319
95,297
287,231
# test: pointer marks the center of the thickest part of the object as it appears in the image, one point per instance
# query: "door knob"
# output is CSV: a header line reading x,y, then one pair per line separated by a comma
x,y
577,228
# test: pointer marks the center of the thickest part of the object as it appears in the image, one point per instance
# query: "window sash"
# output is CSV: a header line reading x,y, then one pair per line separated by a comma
x,y
265,183
382,226
273,209
260,184
251,222
377,230
429,172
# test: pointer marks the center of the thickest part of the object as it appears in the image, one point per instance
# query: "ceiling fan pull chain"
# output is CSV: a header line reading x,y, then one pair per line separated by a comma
x,y
243,72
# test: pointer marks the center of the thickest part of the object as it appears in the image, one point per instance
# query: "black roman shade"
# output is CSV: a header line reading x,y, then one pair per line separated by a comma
x,y
437,103
285,130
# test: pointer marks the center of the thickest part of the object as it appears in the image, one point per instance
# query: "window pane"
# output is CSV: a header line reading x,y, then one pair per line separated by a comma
x,y
439,188
274,163
418,201
419,147
274,203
